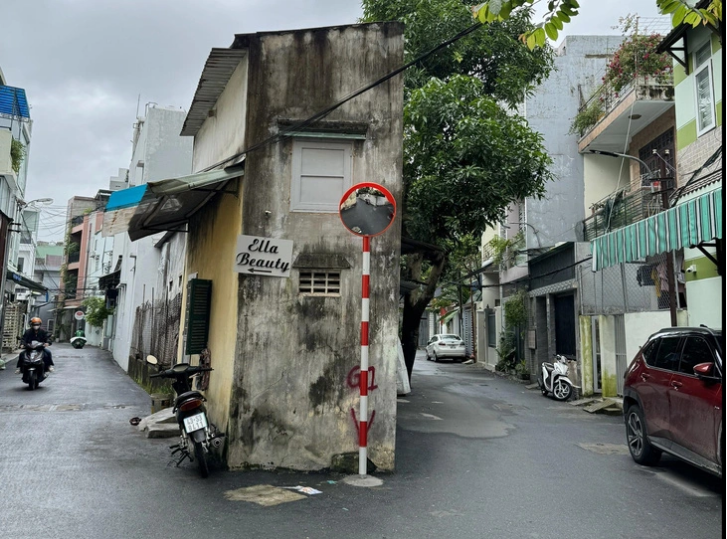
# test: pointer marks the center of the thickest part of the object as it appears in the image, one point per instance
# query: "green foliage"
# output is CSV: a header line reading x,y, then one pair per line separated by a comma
x,y
466,159
96,311
505,251
516,314
522,367
588,117
17,154
506,349
493,54
560,12
636,57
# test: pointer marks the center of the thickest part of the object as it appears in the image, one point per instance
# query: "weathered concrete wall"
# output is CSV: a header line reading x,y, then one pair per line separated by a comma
x,y
294,396
223,133
210,250
579,67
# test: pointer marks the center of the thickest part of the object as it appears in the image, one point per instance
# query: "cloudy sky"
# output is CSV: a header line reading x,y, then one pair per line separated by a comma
x,y
84,64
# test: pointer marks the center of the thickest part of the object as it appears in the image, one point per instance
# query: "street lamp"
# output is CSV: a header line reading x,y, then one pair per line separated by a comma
x,y
44,201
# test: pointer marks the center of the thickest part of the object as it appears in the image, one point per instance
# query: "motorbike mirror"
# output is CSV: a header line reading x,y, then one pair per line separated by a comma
x,y
367,209
152,360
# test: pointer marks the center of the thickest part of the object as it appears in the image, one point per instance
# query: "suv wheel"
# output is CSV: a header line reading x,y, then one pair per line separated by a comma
x,y
638,441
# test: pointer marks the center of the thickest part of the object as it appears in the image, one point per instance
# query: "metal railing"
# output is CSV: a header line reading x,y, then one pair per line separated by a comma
x,y
621,209
74,257
77,220
648,88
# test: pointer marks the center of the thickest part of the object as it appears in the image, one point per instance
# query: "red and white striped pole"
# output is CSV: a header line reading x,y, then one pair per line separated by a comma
x,y
363,424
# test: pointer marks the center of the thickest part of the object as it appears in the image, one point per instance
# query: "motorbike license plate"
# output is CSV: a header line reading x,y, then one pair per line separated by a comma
x,y
195,422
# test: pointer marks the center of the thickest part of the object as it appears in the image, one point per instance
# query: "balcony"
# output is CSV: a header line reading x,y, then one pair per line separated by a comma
x,y
611,118
623,208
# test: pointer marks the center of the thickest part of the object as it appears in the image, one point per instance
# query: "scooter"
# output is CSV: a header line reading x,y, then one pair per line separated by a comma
x,y
31,364
553,378
197,434
78,342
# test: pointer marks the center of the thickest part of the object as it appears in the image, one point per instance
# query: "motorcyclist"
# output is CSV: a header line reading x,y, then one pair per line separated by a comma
x,y
36,333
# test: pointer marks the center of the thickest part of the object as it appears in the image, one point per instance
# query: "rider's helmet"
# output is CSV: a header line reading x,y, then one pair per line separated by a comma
x,y
35,322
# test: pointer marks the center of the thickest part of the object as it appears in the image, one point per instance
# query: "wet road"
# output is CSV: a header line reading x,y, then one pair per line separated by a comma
x,y
477,456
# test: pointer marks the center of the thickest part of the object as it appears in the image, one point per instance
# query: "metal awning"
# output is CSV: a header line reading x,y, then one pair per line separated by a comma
x,y
691,223
164,205
24,281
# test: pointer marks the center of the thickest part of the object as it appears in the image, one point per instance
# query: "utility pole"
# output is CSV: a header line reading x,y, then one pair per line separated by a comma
x,y
669,255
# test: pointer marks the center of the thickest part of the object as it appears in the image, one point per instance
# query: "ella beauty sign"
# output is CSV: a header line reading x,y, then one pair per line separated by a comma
x,y
263,256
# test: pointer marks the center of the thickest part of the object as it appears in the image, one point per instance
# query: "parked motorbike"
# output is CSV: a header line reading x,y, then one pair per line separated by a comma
x,y
553,378
78,342
31,364
197,434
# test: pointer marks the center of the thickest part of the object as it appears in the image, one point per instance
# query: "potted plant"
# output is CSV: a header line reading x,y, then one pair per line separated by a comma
x,y
521,369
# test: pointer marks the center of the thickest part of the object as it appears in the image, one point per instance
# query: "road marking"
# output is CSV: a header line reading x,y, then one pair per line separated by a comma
x,y
686,487
402,400
437,402
430,416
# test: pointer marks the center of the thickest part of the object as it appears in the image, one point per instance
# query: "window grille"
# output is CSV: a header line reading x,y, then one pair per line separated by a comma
x,y
320,283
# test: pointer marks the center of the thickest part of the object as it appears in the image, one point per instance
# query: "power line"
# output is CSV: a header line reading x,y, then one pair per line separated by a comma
x,y
320,115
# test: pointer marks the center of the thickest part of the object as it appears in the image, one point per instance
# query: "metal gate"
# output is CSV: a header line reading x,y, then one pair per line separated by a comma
x,y
565,325
621,359
467,329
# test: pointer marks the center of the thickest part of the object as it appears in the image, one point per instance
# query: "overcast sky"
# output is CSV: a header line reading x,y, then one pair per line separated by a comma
x,y
84,64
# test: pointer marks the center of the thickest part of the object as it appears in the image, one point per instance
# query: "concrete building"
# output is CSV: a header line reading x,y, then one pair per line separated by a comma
x,y
285,347
47,271
15,142
589,299
134,279
533,227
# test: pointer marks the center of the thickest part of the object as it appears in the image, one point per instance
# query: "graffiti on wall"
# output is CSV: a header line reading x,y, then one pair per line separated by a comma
x,y
353,380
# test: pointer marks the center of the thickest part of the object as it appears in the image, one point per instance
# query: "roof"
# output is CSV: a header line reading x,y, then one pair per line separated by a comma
x,y
44,250
218,69
14,102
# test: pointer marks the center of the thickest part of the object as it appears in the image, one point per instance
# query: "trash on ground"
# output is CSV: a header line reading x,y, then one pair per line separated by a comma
x,y
304,490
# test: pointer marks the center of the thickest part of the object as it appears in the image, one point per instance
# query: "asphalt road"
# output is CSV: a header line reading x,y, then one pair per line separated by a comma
x,y
478,456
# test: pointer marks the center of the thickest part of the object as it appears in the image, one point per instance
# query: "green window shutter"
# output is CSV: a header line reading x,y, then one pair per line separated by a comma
x,y
199,297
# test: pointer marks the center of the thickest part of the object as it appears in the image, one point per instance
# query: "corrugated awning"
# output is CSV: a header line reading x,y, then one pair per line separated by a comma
x,y
24,281
689,224
167,205
164,205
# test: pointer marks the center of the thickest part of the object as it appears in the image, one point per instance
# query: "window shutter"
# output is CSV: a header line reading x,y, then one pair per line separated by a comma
x,y
199,297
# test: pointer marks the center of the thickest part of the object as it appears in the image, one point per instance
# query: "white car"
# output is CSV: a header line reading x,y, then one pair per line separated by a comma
x,y
445,345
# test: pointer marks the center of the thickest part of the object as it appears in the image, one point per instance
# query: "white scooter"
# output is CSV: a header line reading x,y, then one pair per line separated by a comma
x,y
554,379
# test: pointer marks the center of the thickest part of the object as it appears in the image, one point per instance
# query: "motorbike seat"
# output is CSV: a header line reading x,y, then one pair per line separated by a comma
x,y
186,396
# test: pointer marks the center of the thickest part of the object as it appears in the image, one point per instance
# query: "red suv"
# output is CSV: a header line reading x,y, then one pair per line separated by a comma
x,y
673,398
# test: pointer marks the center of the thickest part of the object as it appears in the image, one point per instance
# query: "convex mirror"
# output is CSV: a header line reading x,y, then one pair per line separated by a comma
x,y
367,209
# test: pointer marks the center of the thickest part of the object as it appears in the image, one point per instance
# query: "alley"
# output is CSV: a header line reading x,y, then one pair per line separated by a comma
x,y
478,456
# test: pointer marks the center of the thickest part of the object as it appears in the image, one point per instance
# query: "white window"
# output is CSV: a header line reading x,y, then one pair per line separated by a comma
x,y
320,283
321,174
704,90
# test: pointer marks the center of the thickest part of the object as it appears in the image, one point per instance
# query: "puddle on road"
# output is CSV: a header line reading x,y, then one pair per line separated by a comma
x,y
265,495
605,449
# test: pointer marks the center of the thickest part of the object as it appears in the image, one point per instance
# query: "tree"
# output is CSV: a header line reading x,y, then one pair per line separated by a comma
x,y
466,157
560,13
96,311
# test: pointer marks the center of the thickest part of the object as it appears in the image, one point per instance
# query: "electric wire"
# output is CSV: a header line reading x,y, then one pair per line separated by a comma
x,y
322,114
